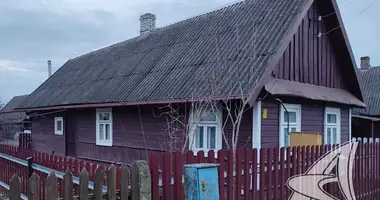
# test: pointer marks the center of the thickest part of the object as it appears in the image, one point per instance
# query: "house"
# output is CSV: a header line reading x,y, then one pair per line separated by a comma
x,y
13,122
366,121
280,56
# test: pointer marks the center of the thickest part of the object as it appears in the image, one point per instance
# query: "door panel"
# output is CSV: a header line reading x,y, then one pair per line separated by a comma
x,y
71,136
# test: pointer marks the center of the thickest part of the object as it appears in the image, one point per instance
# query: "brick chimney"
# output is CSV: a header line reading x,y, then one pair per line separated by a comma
x,y
365,63
49,68
147,23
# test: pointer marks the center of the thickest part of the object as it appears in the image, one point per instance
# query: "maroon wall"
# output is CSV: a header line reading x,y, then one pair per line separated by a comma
x,y
130,134
312,120
309,58
135,130
43,137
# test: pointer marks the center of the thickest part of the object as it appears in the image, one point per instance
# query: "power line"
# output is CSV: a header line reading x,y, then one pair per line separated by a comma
x,y
361,12
335,11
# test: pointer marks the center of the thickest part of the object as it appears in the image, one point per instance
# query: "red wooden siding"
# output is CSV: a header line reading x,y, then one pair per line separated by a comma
x,y
43,137
312,120
130,135
309,58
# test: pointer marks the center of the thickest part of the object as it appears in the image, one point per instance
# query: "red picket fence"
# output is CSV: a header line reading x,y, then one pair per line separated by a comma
x,y
54,162
261,174
24,140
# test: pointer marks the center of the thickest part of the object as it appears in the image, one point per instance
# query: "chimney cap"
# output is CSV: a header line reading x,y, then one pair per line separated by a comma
x,y
148,16
365,58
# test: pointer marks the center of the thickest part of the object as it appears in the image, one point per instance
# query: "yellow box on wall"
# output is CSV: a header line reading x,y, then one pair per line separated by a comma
x,y
265,113
305,139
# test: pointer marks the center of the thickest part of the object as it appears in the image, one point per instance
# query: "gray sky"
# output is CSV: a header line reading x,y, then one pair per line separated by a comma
x,y
33,31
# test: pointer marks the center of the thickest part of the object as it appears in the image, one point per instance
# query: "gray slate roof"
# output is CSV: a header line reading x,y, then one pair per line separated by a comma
x,y
370,85
7,115
179,61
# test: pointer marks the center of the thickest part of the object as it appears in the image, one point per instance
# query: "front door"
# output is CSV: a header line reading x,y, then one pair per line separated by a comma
x,y
71,136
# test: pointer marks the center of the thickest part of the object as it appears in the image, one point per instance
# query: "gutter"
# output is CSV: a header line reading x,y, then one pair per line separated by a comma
x,y
366,117
123,104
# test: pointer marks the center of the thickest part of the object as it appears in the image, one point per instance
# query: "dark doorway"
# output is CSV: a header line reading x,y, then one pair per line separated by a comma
x,y
71,136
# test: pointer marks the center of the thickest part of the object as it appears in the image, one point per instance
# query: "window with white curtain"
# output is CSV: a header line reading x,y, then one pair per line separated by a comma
x,y
293,116
205,133
104,126
332,126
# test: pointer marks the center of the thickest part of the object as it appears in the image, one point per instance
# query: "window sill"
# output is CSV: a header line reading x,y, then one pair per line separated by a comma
x,y
108,144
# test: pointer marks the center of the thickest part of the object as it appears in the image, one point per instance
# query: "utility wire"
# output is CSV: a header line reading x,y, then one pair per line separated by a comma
x,y
335,11
361,12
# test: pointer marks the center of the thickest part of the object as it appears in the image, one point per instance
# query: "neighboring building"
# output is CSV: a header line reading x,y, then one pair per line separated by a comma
x,y
13,122
366,121
104,105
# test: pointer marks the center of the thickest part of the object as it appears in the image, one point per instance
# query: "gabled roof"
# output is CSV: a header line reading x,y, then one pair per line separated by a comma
x,y
370,84
8,113
226,51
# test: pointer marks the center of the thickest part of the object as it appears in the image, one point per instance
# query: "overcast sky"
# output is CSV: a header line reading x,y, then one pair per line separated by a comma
x,y
33,31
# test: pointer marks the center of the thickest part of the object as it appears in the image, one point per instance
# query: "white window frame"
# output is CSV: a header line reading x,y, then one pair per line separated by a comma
x,y
98,122
336,111
56,120
290,108
194,122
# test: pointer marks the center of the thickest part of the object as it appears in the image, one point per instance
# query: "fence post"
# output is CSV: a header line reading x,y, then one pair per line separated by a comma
x,y
141,181
30,168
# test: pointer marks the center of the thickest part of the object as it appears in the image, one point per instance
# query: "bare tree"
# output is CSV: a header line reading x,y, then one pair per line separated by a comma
x,y
179,127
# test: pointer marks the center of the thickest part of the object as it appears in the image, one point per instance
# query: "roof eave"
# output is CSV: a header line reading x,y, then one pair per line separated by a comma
x,y
119,104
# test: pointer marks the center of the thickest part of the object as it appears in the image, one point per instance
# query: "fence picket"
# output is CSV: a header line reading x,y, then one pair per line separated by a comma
x,y
111,180
230,176
201,156
247,174
15,189
178,172
269,173
34,187
153,165
83,184
166,177
238,174
262,174
98,183
220,160
276,173
283,176
67,186
124,183
51,187
254,174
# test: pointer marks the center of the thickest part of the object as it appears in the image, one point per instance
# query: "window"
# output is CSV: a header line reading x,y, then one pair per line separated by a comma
x,y
205,131
332,126
104,126
58,125
293,116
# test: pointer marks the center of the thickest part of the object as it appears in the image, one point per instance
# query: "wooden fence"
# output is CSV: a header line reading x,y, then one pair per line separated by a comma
x,y
24,140
126,190
57,163
252,174
262,174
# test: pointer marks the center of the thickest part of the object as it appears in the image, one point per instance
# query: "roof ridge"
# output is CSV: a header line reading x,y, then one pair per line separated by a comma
x,y
204,13
167,26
